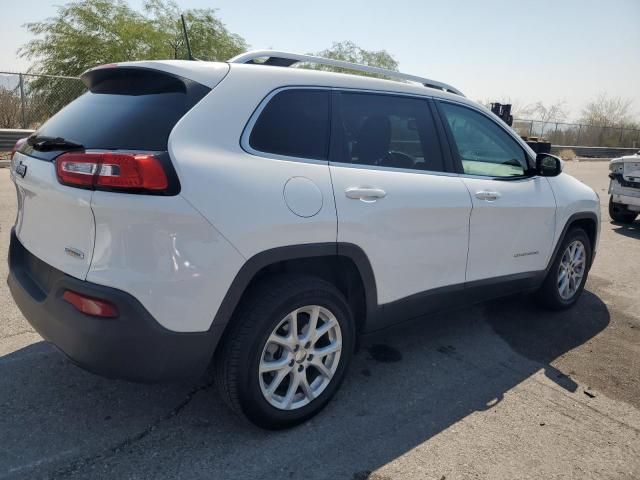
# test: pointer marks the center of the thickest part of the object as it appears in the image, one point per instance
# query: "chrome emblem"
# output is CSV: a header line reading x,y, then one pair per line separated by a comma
x,y
73,252
21,169
525,254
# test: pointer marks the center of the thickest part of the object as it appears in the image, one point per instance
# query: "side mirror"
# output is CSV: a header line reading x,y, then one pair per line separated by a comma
x,y
548,165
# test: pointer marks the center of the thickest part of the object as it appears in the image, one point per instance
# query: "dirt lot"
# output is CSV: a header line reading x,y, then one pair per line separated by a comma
x,y
503,390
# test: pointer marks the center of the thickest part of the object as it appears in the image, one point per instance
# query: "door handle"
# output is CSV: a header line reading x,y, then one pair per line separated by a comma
x,y
487,195
366,194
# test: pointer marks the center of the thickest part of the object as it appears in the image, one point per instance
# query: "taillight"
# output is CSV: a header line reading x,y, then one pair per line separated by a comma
x,y
108,170
17,147
90,306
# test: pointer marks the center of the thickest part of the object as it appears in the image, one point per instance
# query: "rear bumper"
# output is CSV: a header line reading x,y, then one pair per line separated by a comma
x,y
132,346
627,200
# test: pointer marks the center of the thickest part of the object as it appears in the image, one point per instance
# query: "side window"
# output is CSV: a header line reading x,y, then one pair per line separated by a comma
x,y
294,123
484,148
388,131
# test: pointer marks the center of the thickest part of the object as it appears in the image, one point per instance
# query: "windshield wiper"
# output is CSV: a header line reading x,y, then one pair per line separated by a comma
x,y
43,142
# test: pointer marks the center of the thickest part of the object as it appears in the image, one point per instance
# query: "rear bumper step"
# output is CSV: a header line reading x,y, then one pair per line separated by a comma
x,y
132,346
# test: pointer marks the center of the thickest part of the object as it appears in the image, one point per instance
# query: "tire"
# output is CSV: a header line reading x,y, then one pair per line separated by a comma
x,y
265,312
550,293
619,212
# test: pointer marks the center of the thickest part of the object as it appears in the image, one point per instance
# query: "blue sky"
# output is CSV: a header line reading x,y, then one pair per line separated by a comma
x,y
545,50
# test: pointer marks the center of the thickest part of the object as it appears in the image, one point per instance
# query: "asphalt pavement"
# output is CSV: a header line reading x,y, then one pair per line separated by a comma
x,y
501,390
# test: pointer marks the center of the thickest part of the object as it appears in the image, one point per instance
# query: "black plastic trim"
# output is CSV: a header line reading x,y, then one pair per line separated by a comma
x,y
453,297
378,316
269,257
132,346
570,221
445,147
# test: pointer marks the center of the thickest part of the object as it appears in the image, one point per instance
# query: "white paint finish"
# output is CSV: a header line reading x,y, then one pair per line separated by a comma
x,y
206,73
573,196
506,232
179,255
241,193
302,196
52,217
164,253
416,237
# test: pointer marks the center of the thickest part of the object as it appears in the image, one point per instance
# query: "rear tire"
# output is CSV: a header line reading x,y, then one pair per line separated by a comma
x,y
260,339
619,212
567,276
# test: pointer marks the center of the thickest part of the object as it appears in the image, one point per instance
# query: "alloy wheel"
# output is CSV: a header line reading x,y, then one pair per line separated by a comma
x,y
571,270
300,357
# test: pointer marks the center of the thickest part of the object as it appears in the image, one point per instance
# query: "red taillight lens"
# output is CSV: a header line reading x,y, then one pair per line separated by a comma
x,y
17,147
107,170
90,306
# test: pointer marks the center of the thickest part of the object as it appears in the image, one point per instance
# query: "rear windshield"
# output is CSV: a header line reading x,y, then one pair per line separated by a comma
x,y
126,108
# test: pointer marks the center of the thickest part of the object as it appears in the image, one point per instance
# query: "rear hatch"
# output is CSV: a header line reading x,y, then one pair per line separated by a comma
x,y
113,137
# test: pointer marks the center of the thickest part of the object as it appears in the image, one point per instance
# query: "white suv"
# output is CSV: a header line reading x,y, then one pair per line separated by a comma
x,y
266,217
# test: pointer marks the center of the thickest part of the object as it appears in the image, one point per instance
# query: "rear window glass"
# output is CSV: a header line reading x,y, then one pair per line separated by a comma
x,y
295,123
126,109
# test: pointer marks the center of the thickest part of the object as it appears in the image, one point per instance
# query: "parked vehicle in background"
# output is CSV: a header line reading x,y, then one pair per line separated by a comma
x,y
266,217
624,188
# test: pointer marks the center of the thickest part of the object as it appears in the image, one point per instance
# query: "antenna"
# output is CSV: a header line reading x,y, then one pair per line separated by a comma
x,y
186,38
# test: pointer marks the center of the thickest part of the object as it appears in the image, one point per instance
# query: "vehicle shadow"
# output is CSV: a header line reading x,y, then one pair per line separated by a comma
x,y
400,391
631,230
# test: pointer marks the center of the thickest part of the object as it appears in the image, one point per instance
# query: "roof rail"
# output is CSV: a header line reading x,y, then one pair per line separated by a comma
x,y
285,59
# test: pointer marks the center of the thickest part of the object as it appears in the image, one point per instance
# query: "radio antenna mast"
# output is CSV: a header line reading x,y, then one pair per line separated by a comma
x,y
186,38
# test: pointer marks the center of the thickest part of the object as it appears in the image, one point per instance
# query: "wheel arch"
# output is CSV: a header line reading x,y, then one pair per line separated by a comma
x,y
343,264
588,221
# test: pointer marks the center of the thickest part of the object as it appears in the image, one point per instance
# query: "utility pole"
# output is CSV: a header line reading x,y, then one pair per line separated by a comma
x,y
22,101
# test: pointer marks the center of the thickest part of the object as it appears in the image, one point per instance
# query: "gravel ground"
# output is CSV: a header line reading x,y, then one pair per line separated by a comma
x,y
502,390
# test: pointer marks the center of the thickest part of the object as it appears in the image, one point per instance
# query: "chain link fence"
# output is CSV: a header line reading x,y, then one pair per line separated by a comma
x,y
559,133
27,100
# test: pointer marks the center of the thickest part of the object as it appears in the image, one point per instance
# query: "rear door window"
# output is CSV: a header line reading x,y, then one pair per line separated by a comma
x,y
295,123
126,109
388,131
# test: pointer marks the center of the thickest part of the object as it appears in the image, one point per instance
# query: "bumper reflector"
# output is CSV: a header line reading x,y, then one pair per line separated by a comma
x,y
90,306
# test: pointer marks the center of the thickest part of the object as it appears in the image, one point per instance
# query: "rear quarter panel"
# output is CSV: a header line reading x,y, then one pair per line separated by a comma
x,y
164,253
238,192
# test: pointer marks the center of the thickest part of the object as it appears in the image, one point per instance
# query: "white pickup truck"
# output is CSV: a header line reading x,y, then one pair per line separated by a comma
x,y
624,188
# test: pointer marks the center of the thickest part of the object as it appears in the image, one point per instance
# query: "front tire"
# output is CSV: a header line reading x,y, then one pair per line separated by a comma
x,y
286,352
619,212
567,276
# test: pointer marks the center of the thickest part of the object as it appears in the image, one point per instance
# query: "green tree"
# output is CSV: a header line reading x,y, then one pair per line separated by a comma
x,y
86,33
208,36
350,52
